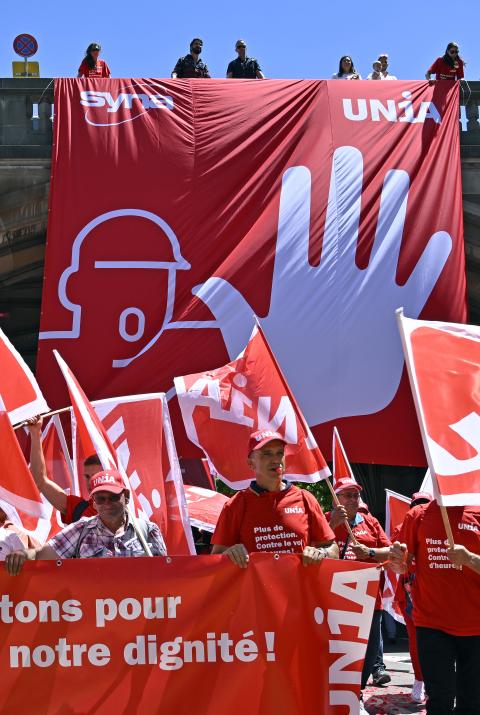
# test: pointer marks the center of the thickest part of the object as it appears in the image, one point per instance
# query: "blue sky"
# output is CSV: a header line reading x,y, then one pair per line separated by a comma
x,y
144,38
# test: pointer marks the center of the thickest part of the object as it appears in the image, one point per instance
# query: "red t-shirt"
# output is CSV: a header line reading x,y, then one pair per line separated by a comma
x,y
101,69
367,531
444,71
72,502
272,522
443,597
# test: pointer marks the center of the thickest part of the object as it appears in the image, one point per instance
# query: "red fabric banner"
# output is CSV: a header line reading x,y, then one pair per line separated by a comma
x,y
192,634
320,206
204,507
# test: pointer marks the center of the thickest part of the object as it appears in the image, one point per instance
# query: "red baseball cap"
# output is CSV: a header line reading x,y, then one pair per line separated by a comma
x,y
346,483
261,437
109,480
424,496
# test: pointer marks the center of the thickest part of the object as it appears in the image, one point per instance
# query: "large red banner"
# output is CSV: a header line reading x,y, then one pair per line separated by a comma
x,y
180,208
185,635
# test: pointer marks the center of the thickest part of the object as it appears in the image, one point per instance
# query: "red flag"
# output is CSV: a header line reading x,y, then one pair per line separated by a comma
x,y
20,392
16,483
90,432
204,507
221,408
341,465
443,361
396,506
55,451
139,428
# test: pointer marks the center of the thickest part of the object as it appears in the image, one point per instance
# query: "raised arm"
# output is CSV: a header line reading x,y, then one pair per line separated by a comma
x,y
51,491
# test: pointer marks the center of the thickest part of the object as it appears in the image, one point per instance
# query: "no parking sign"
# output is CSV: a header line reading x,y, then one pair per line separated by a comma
x,y
25,45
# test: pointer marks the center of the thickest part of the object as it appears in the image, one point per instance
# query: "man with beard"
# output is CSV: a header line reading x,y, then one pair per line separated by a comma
x,y
191,66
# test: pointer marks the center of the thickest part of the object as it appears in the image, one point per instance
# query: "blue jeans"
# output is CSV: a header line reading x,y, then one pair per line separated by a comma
x,y
372,647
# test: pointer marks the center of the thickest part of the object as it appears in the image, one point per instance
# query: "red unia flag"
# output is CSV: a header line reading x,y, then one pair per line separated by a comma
x,y
443,361
20,392
16,483
220,409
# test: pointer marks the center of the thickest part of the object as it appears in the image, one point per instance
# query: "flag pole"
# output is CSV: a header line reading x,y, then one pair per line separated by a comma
x,y
300,417
44,414
418,408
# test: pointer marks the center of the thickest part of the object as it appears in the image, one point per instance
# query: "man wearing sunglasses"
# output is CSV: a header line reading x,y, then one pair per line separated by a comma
x,y
450,66
109,534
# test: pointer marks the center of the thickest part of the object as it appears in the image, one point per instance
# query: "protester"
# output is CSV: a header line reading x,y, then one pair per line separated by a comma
x,y
272,516
450,66
244,67
191,66
91,66
404,599
70,506
346,69
12,537
445,603
109,534
383,59
376,72
371,545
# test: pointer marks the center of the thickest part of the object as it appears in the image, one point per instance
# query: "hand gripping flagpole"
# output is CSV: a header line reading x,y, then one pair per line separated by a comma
x,y
300,418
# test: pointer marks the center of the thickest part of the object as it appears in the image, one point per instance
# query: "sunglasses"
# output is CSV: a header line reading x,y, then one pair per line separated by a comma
x,y
453,52
102,499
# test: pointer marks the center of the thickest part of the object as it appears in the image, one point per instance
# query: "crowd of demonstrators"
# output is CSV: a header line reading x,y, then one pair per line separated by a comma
x,y
108,534
190,66
404,598
371,545
446,594
271,506
92,67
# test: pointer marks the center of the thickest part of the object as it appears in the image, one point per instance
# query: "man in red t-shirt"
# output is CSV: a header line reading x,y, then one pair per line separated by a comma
x,y
371,545
272,516
71,507
445,603
450,66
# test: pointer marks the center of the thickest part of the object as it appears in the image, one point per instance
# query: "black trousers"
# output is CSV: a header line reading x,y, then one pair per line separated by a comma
x,y
451,669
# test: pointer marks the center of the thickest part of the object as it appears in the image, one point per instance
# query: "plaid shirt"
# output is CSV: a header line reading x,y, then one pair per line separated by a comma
x,y
96,540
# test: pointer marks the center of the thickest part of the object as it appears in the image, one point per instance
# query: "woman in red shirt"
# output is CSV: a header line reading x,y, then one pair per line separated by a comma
x,y
91,66
450,66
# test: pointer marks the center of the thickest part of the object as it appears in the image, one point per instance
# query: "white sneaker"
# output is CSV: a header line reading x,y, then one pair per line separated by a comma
x,y
418,692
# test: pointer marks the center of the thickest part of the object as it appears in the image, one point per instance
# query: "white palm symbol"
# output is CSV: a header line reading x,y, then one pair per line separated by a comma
x,y
332,327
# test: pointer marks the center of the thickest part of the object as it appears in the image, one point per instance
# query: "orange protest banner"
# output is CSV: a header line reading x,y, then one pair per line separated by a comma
x,y
183,635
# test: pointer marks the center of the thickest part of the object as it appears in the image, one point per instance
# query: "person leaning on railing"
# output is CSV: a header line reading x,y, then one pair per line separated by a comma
x,y
91,67
450,66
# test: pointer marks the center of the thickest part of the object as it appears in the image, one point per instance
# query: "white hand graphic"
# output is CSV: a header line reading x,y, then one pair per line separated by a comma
x,y
343,357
